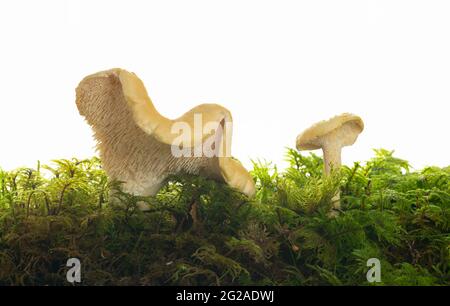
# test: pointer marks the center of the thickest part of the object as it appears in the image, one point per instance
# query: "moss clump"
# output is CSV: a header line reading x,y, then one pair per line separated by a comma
x,y
282,237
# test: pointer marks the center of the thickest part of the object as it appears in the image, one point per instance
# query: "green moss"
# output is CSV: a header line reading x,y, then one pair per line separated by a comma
x,y
282,237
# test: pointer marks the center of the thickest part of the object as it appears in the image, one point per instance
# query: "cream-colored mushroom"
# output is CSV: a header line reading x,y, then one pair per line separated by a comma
x,y
136,142
331,136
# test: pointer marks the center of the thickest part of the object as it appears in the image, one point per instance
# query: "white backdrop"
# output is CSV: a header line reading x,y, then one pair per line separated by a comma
x,y
279,66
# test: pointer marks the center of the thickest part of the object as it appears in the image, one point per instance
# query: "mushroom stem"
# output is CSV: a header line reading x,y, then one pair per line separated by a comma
x,y
332,161
331,158
196,221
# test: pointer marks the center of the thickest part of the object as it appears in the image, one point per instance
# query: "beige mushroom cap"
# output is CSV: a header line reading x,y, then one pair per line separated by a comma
x,y
345,127
135,141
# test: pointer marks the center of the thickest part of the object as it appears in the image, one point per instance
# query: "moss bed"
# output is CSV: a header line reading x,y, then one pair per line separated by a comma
x,y
283,236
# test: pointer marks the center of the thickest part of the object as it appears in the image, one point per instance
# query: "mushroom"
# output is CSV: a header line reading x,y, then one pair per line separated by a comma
x,y
330,136
137,144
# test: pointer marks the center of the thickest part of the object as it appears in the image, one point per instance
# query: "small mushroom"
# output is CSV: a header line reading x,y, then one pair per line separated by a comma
x,y
136,142
330,136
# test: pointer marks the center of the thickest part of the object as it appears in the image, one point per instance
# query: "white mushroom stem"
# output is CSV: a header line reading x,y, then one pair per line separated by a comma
x,y
332,161
331,157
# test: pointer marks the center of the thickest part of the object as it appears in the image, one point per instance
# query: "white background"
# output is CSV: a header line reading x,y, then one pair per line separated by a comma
x,y
279,66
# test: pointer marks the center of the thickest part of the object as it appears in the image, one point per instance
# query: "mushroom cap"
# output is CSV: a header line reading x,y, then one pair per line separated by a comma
x,y
135,141
348,126
148,118
235,175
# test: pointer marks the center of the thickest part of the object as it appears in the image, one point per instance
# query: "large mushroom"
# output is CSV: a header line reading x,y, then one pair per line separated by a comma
x,y
331,136
137,145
